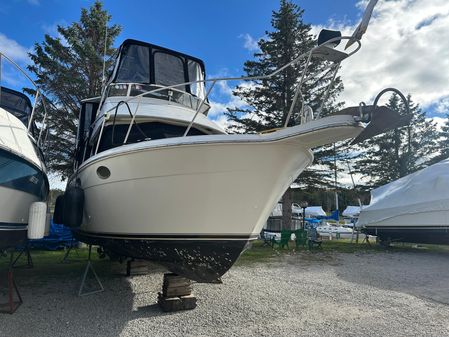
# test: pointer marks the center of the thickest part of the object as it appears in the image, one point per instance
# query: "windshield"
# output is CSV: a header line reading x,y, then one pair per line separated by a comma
x,y
16,103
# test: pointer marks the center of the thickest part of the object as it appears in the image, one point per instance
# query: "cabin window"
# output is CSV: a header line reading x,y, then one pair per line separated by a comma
x,y
114,136
18,174
168,70
134,65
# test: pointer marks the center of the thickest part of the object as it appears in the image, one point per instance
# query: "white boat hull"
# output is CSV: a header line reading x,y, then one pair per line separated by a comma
x,y
191,190
22,180
14,210
202,193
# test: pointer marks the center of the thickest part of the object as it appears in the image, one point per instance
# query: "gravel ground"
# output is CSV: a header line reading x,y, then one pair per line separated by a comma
x,y
369,294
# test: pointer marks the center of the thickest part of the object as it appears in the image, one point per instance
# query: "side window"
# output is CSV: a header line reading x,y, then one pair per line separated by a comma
x,y
134,65
196,74
87,116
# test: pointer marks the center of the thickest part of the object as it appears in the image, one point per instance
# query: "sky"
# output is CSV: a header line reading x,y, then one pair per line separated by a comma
x,y
406,45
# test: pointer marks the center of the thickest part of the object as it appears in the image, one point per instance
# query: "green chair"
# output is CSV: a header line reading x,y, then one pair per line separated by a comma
x,y
285,238
301,238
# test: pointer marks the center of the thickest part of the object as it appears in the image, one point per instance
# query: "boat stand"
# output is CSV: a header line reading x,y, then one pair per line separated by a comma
x,y
366,239
176,294
65,259
26,251
89,266
11,306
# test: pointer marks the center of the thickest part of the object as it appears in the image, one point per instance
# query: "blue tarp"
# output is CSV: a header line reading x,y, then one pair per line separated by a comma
x,y
60,237
335,215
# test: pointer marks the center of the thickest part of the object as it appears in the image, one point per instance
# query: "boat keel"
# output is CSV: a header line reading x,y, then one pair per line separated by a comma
x,y
201,260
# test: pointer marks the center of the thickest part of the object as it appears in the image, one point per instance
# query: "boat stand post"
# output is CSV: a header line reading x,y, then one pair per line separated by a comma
x,y
366,239
25,250
89,266
65,259
11,306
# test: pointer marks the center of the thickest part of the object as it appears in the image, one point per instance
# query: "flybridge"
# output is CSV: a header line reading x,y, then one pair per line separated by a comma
x,y
145,63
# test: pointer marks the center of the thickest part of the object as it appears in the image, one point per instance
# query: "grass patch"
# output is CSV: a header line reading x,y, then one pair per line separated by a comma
x,y
258,252
48,264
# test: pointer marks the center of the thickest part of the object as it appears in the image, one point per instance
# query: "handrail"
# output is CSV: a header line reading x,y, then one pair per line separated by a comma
x,y
36,97
298,92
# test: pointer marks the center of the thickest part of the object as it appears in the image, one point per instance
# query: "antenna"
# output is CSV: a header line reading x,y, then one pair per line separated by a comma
x,y
363,25
335,177
353,183
103,79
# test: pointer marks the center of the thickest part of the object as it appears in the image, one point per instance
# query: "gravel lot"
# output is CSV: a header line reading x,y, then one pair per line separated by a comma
x,y
363,294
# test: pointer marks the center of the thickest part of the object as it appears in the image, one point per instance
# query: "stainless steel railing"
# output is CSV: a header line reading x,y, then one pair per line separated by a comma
x,y
38,96
322,51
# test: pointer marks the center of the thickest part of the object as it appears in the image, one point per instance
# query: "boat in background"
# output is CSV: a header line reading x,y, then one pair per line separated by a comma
x,y
146,144
277,210
23,177
414,208
352,212
328,230
315,212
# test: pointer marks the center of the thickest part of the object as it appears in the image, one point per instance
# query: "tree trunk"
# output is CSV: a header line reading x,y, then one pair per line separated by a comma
x,y
287,209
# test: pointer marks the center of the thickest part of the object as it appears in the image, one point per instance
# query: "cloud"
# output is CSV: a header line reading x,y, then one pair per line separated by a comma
x,y
13,50
52,30
406,47
442,106
18,54
222,98
438,121
249,43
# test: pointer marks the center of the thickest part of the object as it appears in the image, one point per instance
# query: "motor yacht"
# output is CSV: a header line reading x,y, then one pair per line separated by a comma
x,y
23,177
156,179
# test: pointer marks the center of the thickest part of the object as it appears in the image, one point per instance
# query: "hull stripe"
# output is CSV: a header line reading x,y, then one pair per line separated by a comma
x,y
12,225
168,236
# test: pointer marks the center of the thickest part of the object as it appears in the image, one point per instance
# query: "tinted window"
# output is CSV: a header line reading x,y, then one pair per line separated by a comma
x,y
147,131
168,70
16,103
17,174
134,65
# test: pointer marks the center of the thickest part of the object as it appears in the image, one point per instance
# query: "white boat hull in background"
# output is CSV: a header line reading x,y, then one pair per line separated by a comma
x,y
414,208
23,179
14,206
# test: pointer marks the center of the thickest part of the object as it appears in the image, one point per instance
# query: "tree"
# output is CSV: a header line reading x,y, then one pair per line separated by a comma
x,y
399,152
68,69
269,100
443,142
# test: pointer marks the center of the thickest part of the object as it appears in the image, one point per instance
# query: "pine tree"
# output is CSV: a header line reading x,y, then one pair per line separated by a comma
x,y
68,69
399,152
443,141
270,100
